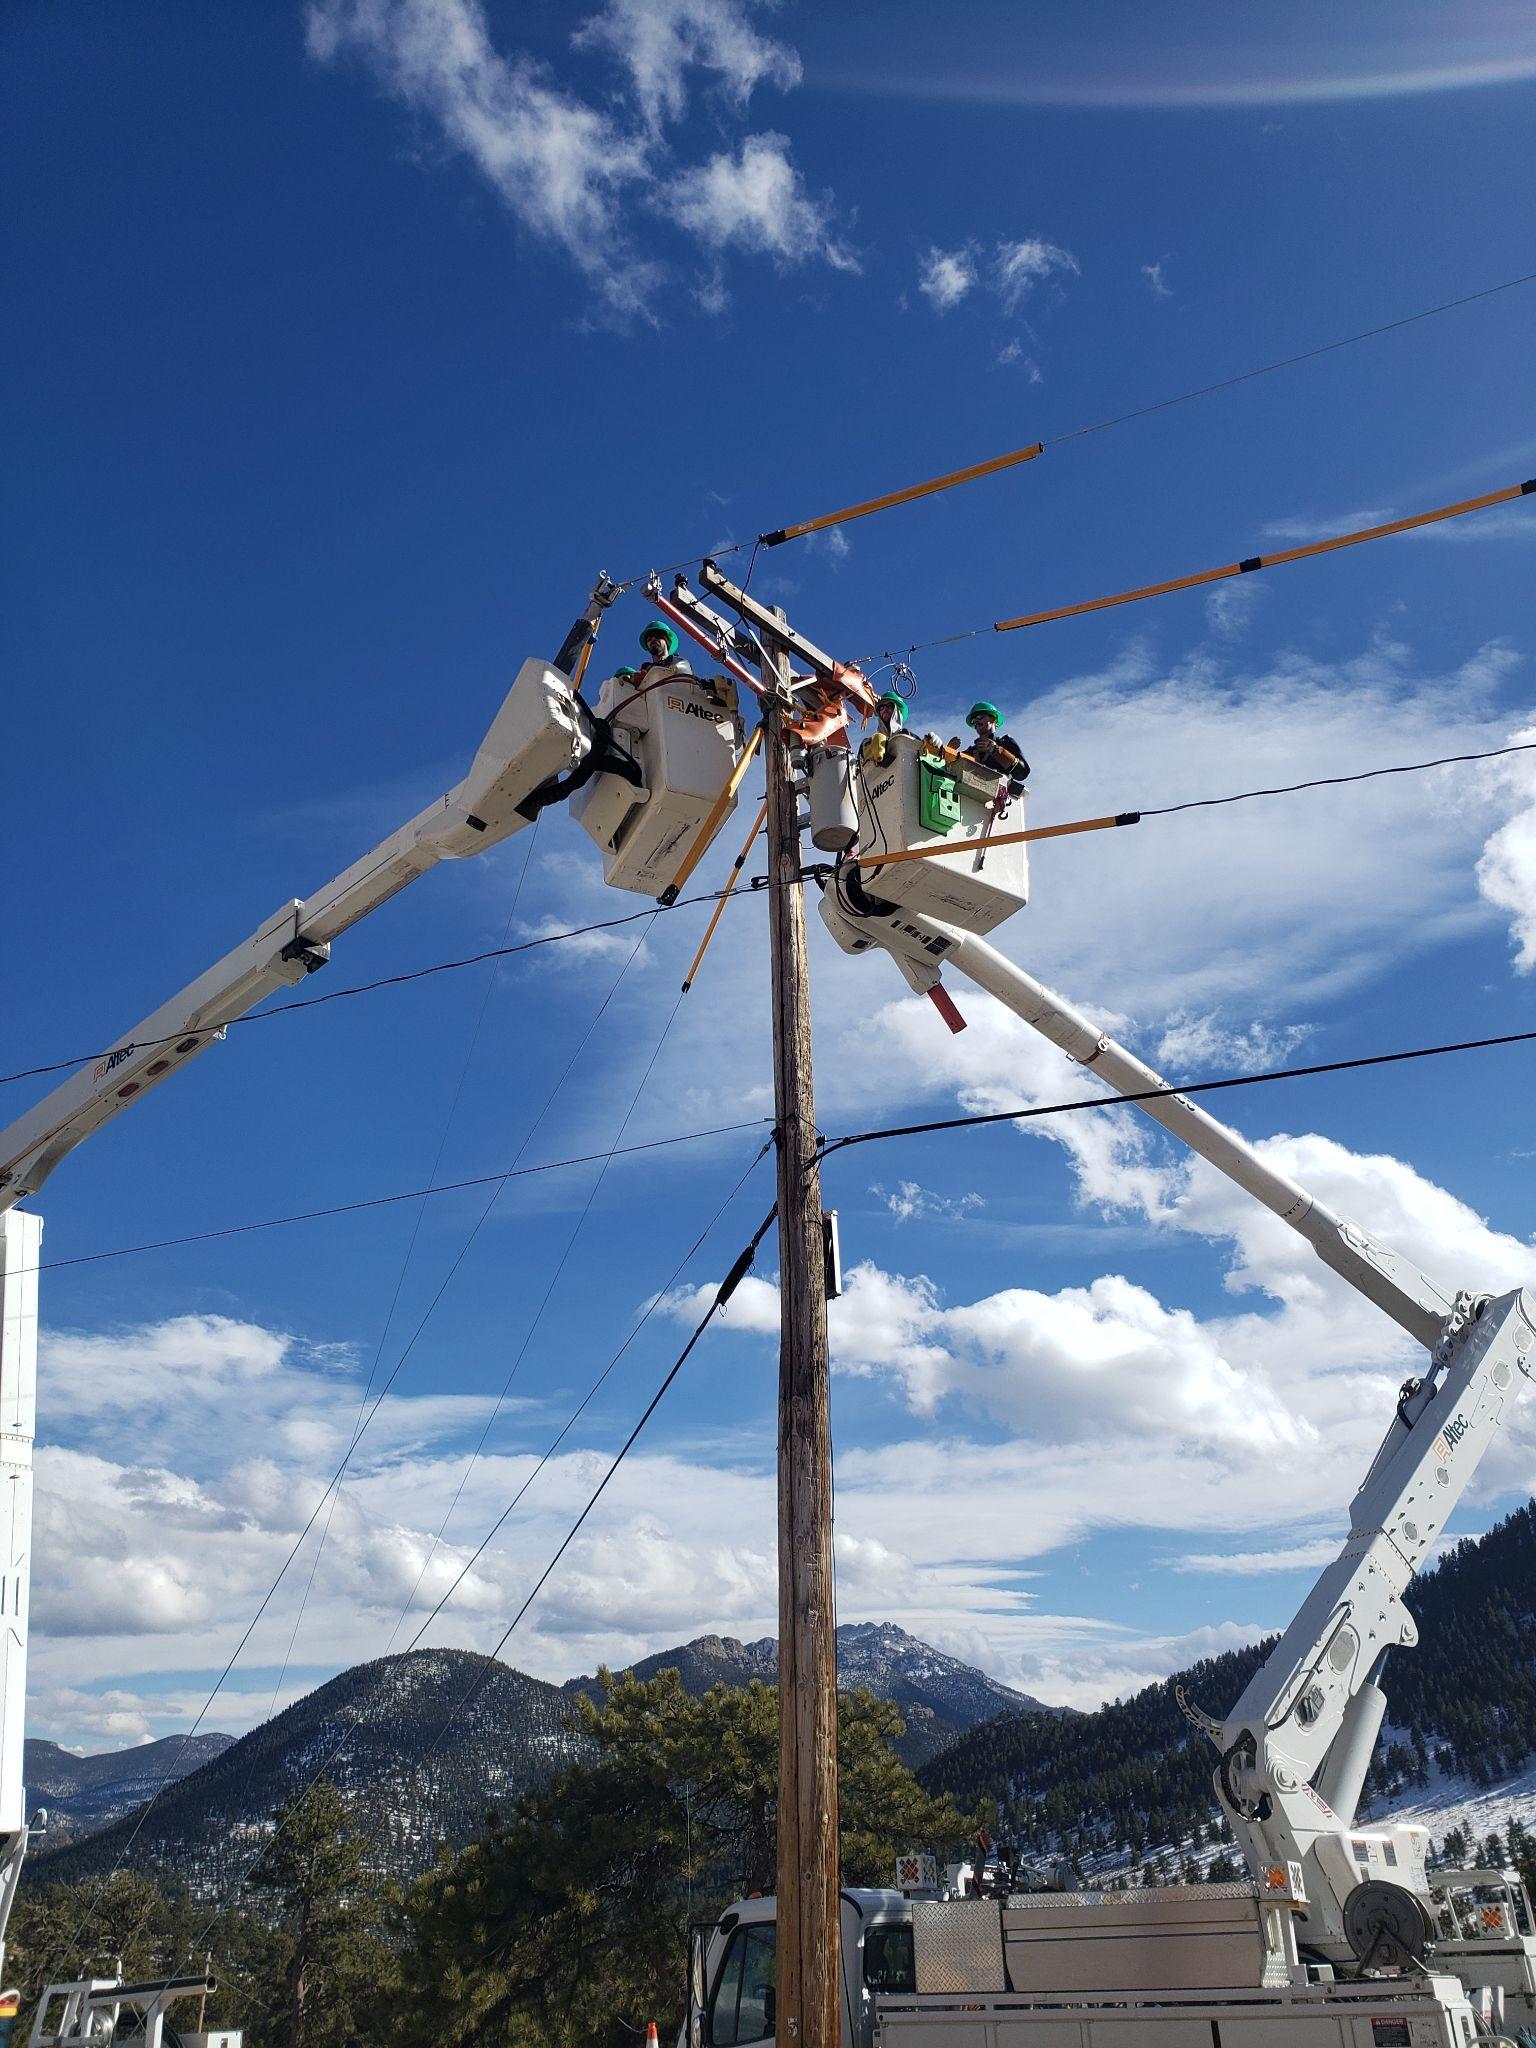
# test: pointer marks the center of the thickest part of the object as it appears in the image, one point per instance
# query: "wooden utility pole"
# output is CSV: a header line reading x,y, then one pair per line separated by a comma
x,y
808,1979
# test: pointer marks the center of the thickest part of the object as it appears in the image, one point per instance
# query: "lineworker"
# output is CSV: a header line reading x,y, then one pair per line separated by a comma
x,y
660,644
992,747
891,714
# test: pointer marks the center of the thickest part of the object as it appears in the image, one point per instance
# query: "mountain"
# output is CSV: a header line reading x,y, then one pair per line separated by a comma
x,y
939,1697
83,1793
377,1731
1134,1775
412,1790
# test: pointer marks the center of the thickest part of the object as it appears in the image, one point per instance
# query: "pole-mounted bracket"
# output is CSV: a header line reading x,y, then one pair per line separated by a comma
x,y
818,871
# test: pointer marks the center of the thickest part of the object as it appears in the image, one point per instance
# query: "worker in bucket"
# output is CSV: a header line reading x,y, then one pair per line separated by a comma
x,y
891,717
992,747
660,644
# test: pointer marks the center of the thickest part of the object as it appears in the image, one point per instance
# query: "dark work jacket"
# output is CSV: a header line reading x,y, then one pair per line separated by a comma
x,y
1001,753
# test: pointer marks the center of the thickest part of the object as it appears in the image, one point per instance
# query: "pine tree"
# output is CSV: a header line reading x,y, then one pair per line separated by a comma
x,y
313,1871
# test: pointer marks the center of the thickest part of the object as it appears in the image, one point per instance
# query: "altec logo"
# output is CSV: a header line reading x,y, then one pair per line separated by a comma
x,y
697,710
112,1061
1452,1435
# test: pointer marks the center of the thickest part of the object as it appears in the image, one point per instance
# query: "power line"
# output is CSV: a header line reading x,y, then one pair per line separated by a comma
x,y
1245,566
743,1263
338,1476
733,1279
450,1187
738,1270
538,1315
1025,1114
1016,456
364,988
1115,819
1243,796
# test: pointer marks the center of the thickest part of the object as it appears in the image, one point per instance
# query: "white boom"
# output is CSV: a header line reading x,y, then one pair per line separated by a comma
x,y
1296,1747
542,732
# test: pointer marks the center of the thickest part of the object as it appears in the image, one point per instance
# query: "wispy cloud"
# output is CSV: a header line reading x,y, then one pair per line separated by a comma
x,y
1307,526
659,41
1010,271
1153,273
1500,522
1020,266
1012,352
910,1202
1297,1557
573,171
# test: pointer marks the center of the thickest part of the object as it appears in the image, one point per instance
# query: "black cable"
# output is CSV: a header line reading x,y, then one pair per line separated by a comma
x,y
1014,1116
364,988
1306,355
339,1474
736,1274
723,1293
538,1316
1205,803
448,1187
410,1250
575,1416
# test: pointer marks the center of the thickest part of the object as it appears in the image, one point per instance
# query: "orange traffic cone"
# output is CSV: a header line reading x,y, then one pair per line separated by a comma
x,y
650,2036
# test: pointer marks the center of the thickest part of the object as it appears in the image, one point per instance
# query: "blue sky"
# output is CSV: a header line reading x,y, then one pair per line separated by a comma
x,y
344,347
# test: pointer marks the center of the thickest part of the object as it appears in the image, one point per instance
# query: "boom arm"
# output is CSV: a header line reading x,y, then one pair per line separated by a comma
x,y
922,946
541,730
1296,1748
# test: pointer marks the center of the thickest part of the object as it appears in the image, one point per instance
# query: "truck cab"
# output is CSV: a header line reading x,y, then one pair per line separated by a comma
x,y
731,1975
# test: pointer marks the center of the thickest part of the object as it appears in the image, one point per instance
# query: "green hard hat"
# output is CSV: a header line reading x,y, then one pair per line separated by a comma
x,y
983,709
660,626
894,697
626,672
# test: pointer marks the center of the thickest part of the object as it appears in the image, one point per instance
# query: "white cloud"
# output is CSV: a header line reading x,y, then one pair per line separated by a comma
x,y
833,543
1153,273
755,199
1013,352
658,41
710,291
1191,1044
1304,528
1500,522
1229,608
945,276
909,1202
564,166
1013,270
1295,1557
1020,266
557,163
